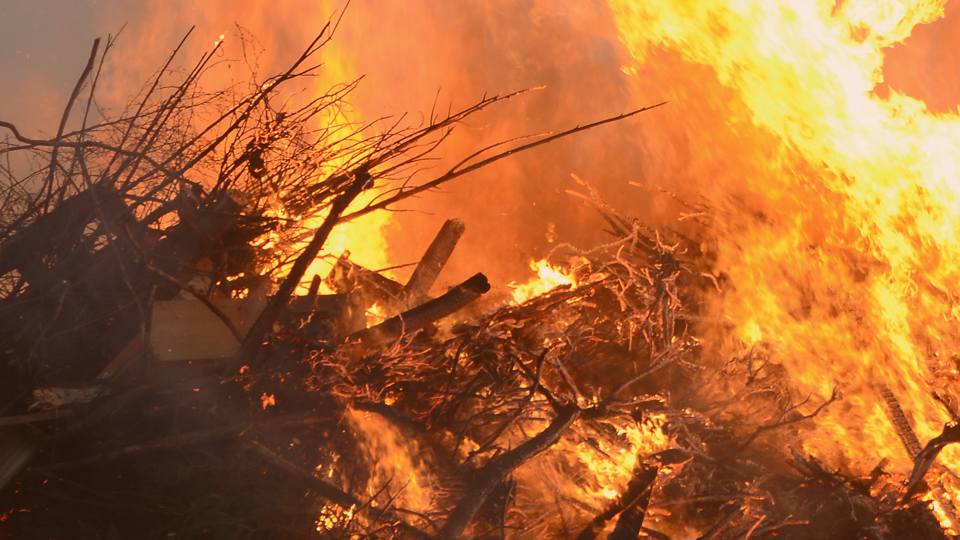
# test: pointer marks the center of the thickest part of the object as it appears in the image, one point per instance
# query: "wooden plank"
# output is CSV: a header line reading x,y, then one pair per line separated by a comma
x,y
188,330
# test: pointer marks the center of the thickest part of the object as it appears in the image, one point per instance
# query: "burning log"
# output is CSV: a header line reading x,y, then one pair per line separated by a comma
x,y
926,458
632,504
421,316
494,472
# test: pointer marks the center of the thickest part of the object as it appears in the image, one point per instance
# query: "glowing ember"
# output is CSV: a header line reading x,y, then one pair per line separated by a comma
x,y
375,314
266,400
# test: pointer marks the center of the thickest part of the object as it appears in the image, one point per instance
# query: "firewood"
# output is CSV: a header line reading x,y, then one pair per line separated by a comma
x,y
436,256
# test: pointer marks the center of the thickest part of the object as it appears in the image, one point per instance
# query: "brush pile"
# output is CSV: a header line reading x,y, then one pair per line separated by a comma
x,y
161,379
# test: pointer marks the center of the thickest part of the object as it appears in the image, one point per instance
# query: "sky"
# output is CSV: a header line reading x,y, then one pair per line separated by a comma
x,y
44,45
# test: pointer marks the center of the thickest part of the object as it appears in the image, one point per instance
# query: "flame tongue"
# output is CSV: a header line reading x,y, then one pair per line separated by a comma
x,y
848,269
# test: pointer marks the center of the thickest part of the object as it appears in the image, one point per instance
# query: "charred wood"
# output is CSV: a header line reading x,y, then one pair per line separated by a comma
x,y
420,316
926,458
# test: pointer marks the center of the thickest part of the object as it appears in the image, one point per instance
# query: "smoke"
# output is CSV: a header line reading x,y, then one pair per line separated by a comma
x,y
419,54
415,56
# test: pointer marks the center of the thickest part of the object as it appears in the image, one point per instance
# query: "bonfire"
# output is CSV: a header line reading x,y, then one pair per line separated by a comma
x,y
186,356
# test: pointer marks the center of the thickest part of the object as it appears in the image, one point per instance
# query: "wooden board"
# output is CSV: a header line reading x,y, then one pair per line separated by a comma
x,y
188,330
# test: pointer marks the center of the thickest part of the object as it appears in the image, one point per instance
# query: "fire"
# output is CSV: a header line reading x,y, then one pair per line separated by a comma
x,y
603,471
548,277
611,468
394,457
849,268
363,238
376,314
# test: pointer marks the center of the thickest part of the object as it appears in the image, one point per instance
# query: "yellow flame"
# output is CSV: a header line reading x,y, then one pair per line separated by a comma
x,y
548,278
601,471
376,315
332,518
393,457
850,272
612,468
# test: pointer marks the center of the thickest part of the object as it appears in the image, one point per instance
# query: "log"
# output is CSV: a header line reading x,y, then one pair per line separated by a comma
x,y
499,467
436,256
926,458
423,315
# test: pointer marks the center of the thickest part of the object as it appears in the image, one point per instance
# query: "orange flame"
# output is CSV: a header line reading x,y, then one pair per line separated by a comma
x,y
549,277
848,271
393,456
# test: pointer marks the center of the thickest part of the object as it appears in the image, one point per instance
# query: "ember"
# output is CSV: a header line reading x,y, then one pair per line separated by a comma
x,y
207,334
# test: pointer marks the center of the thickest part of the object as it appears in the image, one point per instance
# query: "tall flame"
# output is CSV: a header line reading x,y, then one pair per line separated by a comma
x,y
837,202
394,459
842,245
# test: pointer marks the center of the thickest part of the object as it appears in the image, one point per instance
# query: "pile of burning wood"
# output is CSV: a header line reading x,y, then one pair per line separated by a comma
x,y
161,378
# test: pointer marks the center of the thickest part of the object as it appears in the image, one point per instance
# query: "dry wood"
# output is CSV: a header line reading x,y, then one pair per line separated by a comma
x,y
436,256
